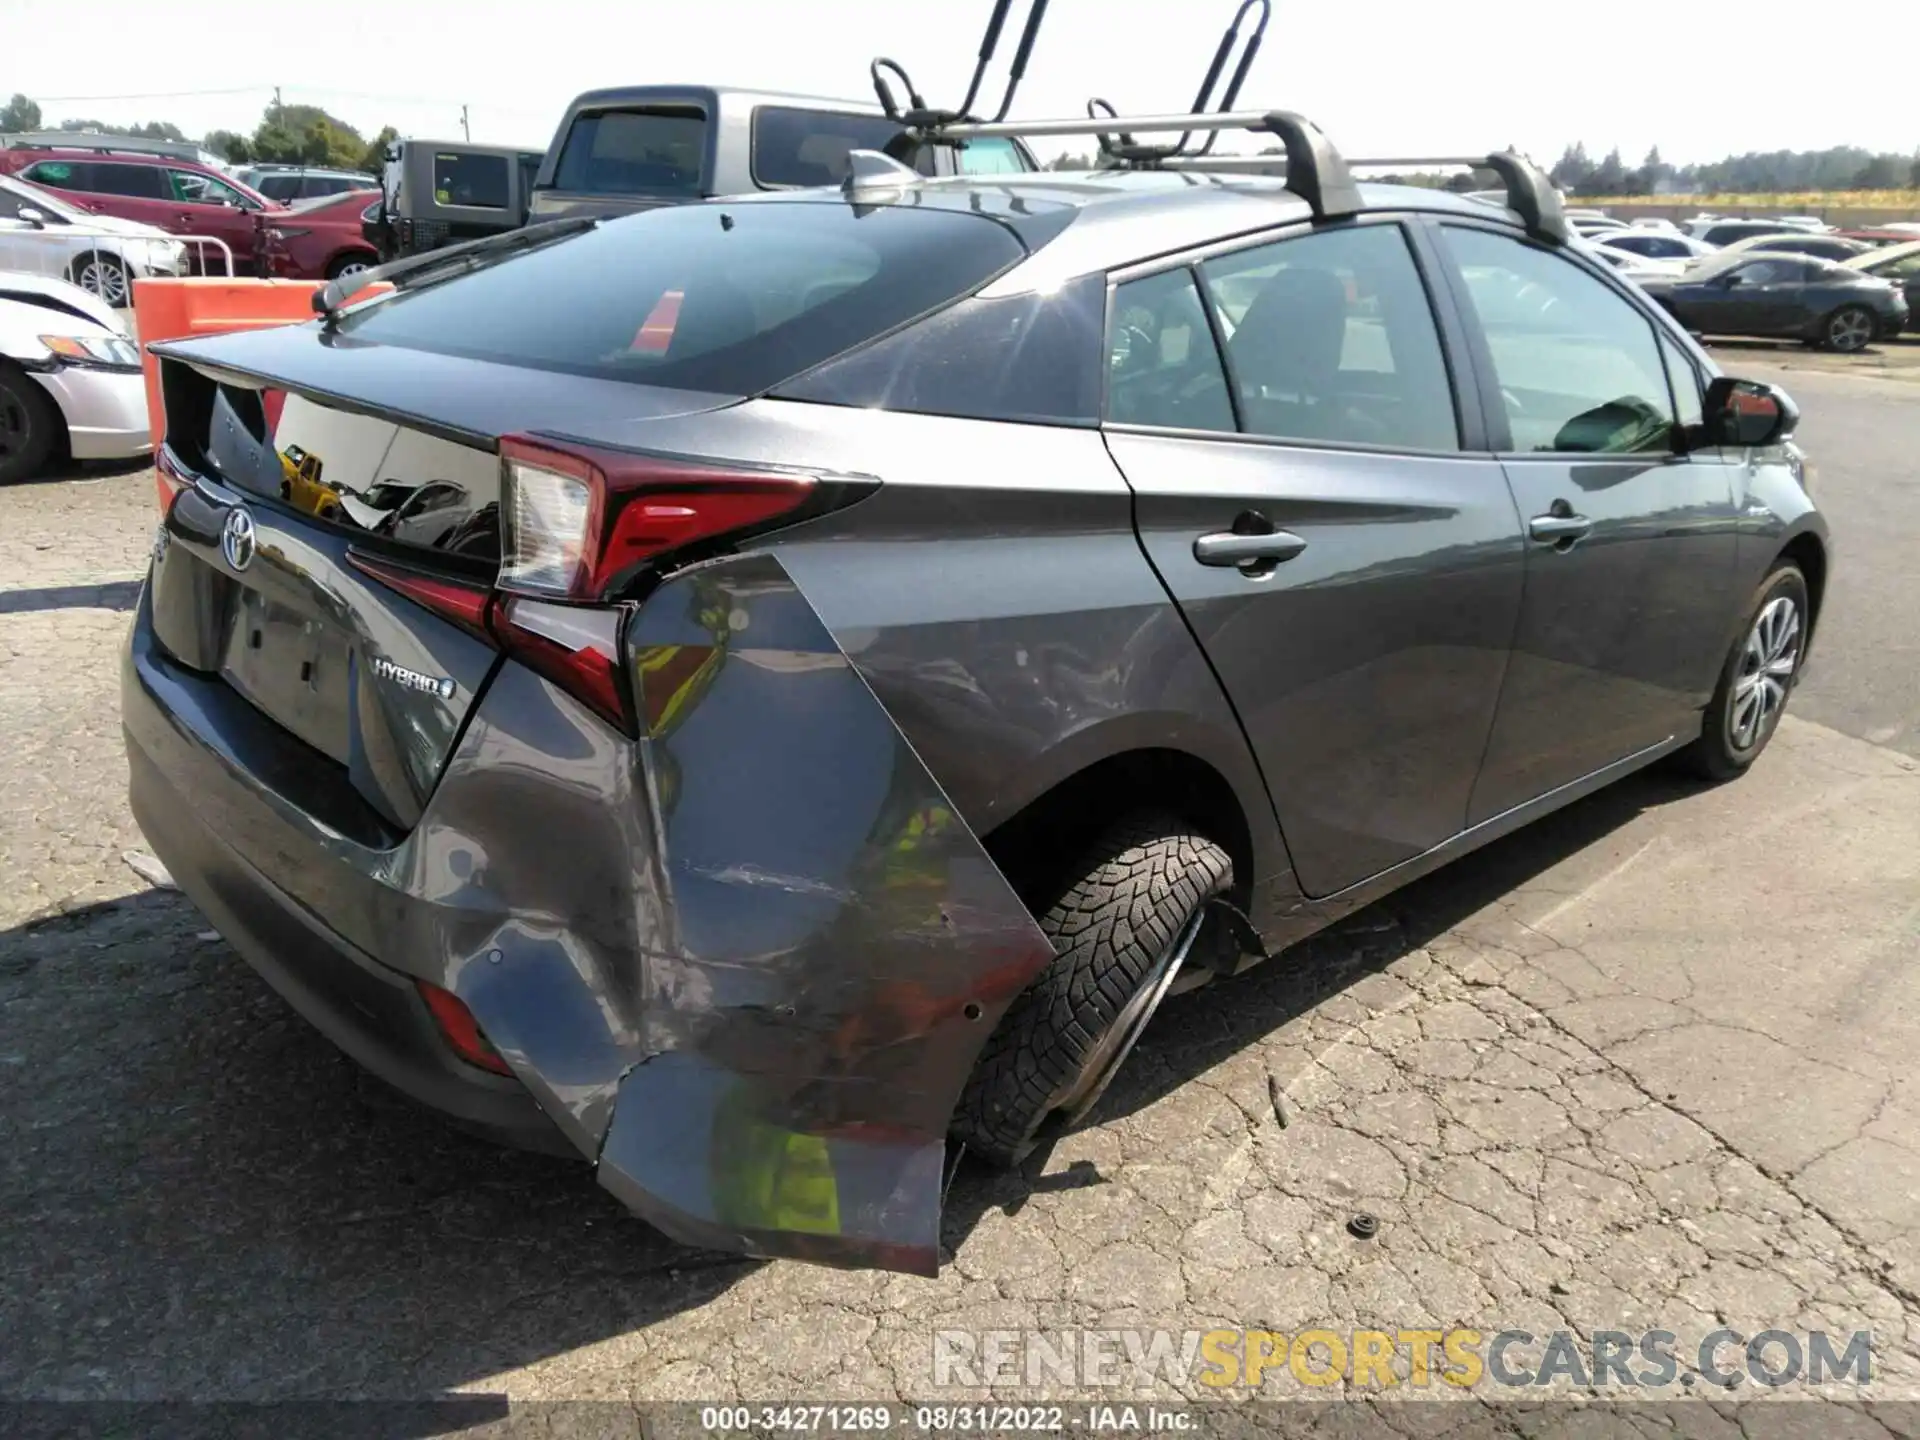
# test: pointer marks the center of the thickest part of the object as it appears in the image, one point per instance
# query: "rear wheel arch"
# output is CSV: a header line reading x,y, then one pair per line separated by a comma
x,y
1036,846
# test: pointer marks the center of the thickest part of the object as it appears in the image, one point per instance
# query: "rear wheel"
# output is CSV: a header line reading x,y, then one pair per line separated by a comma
x,y
1121,929
1848,329
29,425
1755,681
105,276
349,265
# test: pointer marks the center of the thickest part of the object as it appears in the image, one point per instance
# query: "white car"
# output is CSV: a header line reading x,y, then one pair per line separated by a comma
x,y
43,234
1656,245
1638,267
70,381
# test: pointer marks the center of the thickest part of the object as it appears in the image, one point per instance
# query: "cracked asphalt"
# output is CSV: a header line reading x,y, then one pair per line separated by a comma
x,y
1649,1063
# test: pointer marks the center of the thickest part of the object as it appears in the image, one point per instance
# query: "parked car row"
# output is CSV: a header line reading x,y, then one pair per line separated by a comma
x,y
1788,276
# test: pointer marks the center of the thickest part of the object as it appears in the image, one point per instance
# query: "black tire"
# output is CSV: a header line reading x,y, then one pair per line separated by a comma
x,y
1840,331
1112,926
1717,755
360,259
111,282
30,427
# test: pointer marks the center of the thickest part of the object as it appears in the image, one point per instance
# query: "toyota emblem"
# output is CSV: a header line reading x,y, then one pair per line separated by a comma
x,y
236,538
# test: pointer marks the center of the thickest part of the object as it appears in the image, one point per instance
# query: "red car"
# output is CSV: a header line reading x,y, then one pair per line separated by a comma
x,y
179,196
316,239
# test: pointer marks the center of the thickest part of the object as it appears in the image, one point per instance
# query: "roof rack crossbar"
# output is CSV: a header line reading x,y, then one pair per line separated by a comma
x,y
917,114
1124,147
1530,194
1315,170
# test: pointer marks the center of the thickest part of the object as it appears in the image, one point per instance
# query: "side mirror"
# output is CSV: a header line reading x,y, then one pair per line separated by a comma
x,y
36,218
1748,414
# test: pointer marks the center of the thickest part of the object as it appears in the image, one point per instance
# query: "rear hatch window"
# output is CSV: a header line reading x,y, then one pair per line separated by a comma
x,y
474,181
659,150
732,299
809,147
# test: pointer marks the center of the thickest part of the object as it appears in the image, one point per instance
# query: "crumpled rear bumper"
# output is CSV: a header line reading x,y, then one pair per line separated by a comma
x,y
745,963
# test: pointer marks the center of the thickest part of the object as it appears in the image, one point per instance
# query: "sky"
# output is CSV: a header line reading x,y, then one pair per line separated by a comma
x,y
1381,77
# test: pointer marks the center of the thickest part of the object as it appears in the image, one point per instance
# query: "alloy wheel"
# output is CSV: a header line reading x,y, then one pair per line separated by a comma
x,y
105,279
1850,330
1767,662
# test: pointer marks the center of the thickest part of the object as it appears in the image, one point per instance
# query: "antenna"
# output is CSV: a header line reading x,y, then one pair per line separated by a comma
x,y
919,116
1124,147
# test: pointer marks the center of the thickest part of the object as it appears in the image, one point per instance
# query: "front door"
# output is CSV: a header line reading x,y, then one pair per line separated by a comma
x,y
1350,567
204,206
1630,546
1764,297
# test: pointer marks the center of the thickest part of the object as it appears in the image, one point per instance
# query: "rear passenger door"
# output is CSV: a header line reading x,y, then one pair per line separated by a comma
x,y
1630,549
1324,514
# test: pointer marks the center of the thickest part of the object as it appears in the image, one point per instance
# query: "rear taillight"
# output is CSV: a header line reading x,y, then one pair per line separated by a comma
x,y
579,519
168,479
577,522
461,1031
575,646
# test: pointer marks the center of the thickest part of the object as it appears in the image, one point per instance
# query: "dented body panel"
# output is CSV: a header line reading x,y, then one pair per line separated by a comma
x,y
744,963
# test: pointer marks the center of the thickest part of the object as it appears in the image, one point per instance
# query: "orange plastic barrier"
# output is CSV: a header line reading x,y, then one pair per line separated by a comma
x,y
166,309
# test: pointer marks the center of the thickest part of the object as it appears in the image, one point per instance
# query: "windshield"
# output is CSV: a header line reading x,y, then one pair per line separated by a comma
x,y
724,298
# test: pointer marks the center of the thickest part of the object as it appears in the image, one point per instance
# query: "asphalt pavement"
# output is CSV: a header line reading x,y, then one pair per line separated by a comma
x,y
1647,1063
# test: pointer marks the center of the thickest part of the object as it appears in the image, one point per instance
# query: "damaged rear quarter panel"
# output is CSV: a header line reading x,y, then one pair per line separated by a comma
x,y
778,1071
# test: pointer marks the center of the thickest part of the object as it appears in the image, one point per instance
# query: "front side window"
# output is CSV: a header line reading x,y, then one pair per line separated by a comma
x,y
658,151
1768,272
1578,367
1330,337
1684,378
1163,367
192,188
476,181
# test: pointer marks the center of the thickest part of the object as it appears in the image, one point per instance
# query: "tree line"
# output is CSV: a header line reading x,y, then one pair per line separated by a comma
x,y
1844,167
286,135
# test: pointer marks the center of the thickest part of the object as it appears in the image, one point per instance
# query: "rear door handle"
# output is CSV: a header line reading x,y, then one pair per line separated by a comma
x,y
1225,548
1558,529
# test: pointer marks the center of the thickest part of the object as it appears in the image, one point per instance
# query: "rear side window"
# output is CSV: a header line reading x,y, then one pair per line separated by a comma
x,y
809,147
658,151
1579,368
477,181
1033,358
138,182
700,297
1163,368
279,187
1330,337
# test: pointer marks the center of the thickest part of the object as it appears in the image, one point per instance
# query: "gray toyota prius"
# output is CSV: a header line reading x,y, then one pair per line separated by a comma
x,y
769,695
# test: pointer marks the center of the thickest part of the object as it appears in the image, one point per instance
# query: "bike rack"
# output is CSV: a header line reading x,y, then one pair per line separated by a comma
x,y
1312,167
920,116
1126,149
